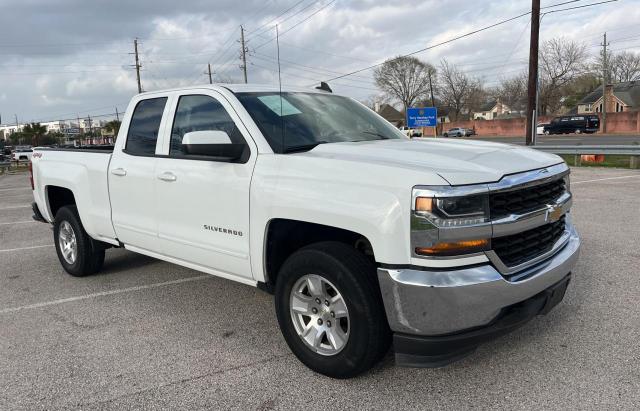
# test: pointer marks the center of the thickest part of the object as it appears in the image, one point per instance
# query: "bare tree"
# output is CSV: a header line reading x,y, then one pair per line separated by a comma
x,y
455,88
621,67
513,92
405,79
625,66
561,61
374,101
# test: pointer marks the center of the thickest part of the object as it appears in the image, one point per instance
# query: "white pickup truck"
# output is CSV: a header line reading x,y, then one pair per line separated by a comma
x,y
366,238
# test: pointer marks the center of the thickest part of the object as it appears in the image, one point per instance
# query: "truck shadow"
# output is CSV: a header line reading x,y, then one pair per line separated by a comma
x,y
122,260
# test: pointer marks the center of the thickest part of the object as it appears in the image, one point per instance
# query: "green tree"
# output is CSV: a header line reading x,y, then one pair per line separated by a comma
x,y
113,126
52,137
34,131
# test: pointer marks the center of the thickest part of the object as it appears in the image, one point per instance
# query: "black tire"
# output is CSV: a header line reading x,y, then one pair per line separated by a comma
x,y
355,277
446,134
90,253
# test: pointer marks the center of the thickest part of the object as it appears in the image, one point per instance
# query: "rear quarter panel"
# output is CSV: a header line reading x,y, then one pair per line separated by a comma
x,y
85,174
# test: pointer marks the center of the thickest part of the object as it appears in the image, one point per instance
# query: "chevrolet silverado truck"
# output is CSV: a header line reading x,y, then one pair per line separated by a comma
x,y
366,238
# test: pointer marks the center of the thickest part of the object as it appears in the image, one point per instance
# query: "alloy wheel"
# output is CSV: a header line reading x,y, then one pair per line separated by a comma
x,y
67,242
319,314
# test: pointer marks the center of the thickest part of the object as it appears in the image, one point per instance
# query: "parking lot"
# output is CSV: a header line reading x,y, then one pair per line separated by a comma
x,y
149,334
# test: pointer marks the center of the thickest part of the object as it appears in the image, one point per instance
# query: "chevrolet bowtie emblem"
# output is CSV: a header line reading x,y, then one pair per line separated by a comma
x,y
553,213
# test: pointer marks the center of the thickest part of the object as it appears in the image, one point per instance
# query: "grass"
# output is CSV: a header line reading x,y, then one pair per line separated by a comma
x,y
616,161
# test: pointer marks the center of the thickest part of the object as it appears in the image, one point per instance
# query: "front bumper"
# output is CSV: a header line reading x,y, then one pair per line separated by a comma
x,y
441,303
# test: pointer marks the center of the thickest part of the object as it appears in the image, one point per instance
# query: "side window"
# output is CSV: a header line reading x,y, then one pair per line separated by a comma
x,y
199,113
145,126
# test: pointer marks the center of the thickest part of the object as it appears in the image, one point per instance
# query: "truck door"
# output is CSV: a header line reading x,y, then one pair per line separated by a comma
x,y
132,177
203,201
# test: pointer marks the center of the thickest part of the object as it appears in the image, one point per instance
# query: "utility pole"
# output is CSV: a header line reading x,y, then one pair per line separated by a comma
x,y
244,54
117,115
604,83
433,104
135,51
532,86
209,72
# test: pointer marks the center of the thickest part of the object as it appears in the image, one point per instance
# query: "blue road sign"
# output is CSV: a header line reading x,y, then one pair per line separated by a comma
x,y
422,117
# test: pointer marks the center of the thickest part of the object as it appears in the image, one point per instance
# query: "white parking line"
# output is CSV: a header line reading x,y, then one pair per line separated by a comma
x,y
15,208
17,188
102,294
8,250
20,222
603,179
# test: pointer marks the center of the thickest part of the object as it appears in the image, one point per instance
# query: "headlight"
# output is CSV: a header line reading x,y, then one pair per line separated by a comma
x,y
449,226
567,183
454,211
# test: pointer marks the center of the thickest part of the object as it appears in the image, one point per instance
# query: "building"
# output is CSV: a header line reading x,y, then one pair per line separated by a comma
x,y
390,114
491,110
6,130
620,97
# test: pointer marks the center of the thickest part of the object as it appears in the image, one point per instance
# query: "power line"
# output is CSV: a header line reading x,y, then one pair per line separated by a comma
x,y
275,18
499,23
297,24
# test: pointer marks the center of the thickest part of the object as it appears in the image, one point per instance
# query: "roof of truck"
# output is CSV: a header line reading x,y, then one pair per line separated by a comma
x,y
240,88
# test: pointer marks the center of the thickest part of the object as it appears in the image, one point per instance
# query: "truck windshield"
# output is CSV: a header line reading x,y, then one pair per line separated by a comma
x,y
301,121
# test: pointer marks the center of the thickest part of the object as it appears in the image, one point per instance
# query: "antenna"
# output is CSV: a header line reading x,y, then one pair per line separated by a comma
x,y
280,86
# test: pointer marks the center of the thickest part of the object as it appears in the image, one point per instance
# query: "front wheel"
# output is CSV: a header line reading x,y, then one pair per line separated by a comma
x,y
578,131
446,135
546,132
330,310
78,253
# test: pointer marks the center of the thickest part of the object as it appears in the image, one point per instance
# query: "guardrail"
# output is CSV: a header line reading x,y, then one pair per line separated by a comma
x,y
633,151
5,166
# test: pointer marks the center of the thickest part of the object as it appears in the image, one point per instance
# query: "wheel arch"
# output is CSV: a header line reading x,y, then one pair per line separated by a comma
x,y
283,237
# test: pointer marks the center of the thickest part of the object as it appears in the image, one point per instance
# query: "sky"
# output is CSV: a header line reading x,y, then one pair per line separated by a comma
x,y
60,59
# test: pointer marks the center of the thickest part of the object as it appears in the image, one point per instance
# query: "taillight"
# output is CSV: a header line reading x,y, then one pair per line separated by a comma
x,y
31,175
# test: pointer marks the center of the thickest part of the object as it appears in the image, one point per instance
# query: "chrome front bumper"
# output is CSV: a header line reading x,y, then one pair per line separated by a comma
x,y
440,302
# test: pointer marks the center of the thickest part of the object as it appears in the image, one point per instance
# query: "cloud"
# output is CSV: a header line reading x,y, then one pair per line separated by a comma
x,y
73,56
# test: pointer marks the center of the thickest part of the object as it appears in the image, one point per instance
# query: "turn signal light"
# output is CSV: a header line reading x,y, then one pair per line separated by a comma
x,y
456,248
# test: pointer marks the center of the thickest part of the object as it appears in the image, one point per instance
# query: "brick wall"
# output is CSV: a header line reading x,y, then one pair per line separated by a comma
x,y
625,122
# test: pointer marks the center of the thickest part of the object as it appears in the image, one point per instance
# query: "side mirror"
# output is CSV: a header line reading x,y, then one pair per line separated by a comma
x,y
212,143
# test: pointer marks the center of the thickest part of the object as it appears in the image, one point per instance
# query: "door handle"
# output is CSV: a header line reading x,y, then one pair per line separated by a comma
x,y
119,172
167,176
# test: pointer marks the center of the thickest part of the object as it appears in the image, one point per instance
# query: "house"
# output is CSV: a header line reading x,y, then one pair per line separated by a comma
x,y
390,114
491,110
623,96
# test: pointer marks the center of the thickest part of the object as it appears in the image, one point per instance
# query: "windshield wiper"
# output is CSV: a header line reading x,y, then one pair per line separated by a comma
x,y
373,133
303,147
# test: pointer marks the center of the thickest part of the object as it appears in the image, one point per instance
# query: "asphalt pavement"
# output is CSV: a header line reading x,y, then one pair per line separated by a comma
x,y
148,334
569,139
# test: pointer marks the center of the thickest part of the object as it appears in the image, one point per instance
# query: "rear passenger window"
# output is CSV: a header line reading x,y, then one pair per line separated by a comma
x,y
145,126
199,113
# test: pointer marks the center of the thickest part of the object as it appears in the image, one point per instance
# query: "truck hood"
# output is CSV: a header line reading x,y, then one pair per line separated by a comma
x,y
459,162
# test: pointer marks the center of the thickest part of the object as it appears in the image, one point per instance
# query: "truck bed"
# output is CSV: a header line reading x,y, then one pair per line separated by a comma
x,y
84,172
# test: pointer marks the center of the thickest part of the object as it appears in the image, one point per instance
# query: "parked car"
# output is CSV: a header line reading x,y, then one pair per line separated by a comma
x,y
364,236
470,132
22,154
573,124
456,132
411,132
540,128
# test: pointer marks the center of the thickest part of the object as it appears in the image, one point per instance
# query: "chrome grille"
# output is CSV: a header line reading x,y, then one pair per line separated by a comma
x,y
519,248
505,203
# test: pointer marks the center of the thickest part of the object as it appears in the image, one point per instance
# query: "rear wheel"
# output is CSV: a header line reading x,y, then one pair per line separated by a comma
x,y
78,253
578,131
546,132
330,310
